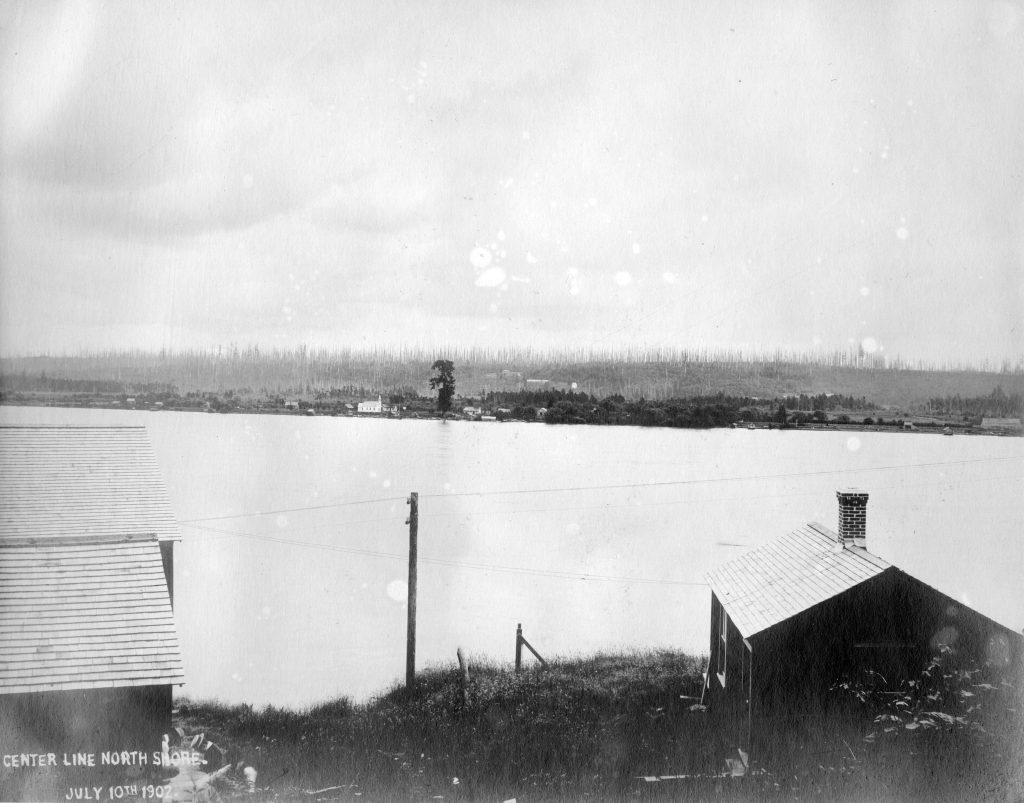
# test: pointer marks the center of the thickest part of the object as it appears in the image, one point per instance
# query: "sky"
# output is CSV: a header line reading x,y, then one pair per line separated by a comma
x,y
794,175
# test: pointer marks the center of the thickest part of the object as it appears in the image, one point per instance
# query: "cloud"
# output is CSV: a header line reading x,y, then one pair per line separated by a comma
x,y
53,45
216,168
378,200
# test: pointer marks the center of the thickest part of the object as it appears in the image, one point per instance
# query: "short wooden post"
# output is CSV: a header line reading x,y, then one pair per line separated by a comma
x,y
464,673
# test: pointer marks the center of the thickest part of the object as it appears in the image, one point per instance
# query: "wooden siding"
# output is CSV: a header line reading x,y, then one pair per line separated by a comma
x,y
88,481
731,702
792,574
85,613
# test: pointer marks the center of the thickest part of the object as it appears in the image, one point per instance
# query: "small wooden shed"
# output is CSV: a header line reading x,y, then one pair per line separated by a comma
x,y
790,618
88,647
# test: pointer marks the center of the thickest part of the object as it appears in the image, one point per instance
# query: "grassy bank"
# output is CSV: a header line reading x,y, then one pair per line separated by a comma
x,y
581,729
591,729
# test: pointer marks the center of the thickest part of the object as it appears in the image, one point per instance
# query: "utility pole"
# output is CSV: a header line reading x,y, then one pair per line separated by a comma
x,y
410,639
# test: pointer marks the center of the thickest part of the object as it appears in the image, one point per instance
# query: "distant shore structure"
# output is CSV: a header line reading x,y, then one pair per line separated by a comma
x,y
375,407
1003,426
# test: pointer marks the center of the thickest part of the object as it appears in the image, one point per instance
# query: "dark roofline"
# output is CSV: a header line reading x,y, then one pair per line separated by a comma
x,y
756,637
959,603
870,557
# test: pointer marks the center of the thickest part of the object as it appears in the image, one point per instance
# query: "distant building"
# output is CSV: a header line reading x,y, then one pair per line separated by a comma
x,y
792,617
291,404
88,646
370,406
1009,426
472,411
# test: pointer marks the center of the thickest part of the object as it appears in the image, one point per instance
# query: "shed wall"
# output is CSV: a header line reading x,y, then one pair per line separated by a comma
x,y
892,624
728,695
83,721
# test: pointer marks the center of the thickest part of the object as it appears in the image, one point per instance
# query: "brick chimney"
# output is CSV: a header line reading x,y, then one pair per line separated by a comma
x,y
853,510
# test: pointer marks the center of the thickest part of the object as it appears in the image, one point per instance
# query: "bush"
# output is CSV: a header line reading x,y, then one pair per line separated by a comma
x,y
943,732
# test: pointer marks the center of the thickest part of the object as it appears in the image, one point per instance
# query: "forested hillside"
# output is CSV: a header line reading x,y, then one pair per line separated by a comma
x,y
655,374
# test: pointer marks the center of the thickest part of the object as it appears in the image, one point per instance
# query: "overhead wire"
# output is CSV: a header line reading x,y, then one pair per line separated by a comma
x,y
277,511
609,487
500,568
710,480
346,524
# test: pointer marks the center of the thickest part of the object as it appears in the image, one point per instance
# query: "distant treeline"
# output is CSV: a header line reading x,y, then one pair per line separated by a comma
x,y
569,407
632,373
548,398
998,404
701,411
24,382
213,360
827,402
718,411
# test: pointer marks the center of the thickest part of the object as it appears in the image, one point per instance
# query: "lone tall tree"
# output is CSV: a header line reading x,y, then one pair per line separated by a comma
x,y
444,383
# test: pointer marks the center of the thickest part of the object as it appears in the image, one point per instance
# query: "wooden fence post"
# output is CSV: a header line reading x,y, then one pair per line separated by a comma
x,y
520,643
519,647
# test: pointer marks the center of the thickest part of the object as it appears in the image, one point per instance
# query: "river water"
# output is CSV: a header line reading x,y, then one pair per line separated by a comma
x,y
290,579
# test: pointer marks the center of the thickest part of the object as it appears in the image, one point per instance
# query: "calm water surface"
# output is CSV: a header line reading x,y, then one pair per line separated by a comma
x,y
290,580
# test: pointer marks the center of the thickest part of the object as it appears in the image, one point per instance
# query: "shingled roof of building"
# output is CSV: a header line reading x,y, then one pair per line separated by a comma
x,y
84,601
85,613
789,575
81,481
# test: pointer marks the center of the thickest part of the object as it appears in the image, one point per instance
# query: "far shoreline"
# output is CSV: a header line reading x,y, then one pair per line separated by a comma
x,y
896,425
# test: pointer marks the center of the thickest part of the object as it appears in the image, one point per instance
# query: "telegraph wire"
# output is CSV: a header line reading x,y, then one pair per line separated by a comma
x,y
690,501
554,573
294,509
619,486
710,480
341,525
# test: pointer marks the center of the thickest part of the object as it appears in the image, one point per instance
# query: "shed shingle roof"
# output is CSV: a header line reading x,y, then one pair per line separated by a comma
x,y
85,613
775,582
90,481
